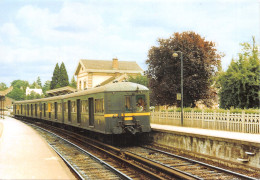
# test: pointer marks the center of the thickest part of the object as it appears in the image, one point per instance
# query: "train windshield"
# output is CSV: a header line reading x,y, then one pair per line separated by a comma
x,y
140,103
128,104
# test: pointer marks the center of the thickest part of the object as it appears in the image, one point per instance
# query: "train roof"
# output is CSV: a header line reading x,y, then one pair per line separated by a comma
x,y
114,87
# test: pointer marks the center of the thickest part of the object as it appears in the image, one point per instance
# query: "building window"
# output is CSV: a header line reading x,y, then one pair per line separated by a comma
x,y
85,84
79,84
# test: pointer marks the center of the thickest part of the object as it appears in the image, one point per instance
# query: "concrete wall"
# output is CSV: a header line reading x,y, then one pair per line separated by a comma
x,y
229,152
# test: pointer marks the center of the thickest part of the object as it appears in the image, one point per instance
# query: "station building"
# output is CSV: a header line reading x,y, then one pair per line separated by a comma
x,y
92,73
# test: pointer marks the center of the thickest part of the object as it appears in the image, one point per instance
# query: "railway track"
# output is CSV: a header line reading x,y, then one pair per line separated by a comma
x,y
197,169
147,163
84,164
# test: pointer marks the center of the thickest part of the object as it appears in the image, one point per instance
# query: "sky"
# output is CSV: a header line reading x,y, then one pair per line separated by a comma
x,y
37,34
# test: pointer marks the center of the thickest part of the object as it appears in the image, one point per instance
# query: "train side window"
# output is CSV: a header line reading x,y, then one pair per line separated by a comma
x,y
84,106
140,103
44,109
73,106
55,110
99,106
35,109
28,109
69,111
128,104
31,109
21,109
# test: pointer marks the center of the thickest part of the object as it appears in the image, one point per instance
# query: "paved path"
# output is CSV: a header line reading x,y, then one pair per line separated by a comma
x,y
255,138
24,154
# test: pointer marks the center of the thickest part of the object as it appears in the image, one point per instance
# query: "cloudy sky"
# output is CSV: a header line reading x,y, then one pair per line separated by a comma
x,y
36,34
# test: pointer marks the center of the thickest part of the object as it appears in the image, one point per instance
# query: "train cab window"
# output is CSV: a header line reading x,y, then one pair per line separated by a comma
x,y
84,106
140,103
128,104
99,106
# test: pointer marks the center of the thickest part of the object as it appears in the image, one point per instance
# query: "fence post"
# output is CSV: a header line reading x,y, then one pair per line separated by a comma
x,y
202,118
192,118
243,121
228,113
214,120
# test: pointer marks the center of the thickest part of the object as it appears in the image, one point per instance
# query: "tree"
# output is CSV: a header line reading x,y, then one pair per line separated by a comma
x,y
55,78
201,62
17,94
19,88
140,79
64,78
3,86
39,82
46,87
73,82
239,85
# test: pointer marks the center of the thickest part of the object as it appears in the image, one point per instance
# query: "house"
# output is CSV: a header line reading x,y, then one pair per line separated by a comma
x,y
92,73
29,91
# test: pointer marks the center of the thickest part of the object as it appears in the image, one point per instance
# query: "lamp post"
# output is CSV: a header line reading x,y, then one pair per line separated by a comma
x,y
175,54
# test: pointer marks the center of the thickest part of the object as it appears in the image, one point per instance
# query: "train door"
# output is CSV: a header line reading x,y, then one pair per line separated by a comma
x,y
78,111
69,111
91,111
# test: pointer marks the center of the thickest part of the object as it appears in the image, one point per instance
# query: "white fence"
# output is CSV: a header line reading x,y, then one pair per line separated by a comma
x,y
237,122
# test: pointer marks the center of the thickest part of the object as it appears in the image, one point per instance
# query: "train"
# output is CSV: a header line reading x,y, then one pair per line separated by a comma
x,y
116,108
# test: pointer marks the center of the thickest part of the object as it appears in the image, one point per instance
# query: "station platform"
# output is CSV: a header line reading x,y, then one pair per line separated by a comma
x,y
243,137
24,154
237,150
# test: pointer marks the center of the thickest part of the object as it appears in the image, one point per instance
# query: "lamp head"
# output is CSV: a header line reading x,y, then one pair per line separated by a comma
x,y
175,54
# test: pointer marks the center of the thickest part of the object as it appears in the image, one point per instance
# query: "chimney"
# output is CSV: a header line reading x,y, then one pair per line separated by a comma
x,y
115,64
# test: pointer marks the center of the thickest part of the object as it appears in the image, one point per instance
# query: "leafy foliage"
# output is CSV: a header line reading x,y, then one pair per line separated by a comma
x,y
55,78
64,78
19,88
239,85
201,62
46,87
3,86
34,95
60,77
140,79
73,82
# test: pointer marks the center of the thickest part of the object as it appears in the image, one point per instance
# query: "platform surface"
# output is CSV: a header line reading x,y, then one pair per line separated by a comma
x,y
254,138
24,154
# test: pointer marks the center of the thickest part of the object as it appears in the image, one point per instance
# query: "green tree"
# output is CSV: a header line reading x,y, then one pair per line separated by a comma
x,y
39,82
3,86
201,62
64,78
55,78
17,94
19,88
33,95
46,87
73,82
140,79
239,85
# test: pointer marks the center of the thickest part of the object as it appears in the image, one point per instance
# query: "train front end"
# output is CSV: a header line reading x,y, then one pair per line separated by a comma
x,y
128,109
